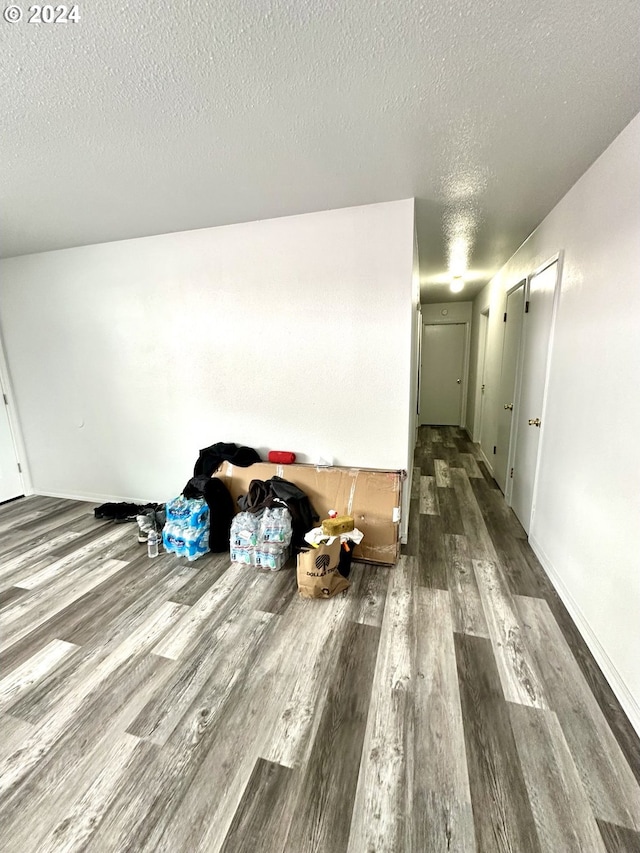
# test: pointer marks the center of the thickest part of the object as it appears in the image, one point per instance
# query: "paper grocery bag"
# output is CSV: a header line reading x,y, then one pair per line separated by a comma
x,y
318,575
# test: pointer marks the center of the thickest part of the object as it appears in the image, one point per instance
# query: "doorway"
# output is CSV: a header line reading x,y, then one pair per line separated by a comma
x,y
537,332
11,485
480,419
513,318
441,373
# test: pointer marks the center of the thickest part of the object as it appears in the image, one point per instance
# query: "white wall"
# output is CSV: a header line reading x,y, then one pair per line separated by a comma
x,y
586,529
457,312
293,334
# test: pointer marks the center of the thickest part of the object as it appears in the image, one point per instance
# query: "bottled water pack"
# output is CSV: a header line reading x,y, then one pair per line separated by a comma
x,y
275,526
186,532
271,556
244,530
188,512
261,539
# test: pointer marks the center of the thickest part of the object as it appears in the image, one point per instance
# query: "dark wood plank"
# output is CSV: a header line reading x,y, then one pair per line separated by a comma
x,y
209,569
368,593
618,839
450,511
561,810
442,813
261,820
382,812
432,569
499,518
501,809
450,455
54,689
424,461
466,604
328,784
481,546
279,589
519,673
10,594
80,617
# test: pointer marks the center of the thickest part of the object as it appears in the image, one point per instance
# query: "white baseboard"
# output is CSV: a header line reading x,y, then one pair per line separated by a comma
x,y
485,460
616,682
92,498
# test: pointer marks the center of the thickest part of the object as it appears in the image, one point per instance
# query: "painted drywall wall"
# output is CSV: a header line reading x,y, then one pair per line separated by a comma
x,y
585,528
457,312
293,334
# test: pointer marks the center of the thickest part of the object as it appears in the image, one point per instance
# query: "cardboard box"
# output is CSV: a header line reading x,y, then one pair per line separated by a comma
x,y
372,497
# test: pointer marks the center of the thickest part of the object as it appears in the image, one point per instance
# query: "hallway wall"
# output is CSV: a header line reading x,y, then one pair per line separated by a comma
x,y
585,529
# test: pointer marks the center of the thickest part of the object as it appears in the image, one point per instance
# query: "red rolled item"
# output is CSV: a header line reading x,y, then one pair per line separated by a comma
x,y
282,457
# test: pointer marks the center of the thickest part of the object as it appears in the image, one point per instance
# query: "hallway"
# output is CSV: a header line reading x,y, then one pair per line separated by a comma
x,y
547,744
448,704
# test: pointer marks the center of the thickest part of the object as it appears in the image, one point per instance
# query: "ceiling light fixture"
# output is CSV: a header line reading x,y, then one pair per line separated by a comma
x,y
457,283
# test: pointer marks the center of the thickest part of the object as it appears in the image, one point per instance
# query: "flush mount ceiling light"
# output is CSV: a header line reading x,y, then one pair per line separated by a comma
x,y
457,283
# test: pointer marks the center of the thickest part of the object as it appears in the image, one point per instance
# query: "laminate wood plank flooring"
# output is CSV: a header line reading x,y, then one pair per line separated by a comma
x,y
327,785
445,704
501,807
617,839
518,672
560,806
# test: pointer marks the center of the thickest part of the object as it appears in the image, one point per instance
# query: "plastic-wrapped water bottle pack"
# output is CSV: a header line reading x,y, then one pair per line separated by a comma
x,y
186,532
261,539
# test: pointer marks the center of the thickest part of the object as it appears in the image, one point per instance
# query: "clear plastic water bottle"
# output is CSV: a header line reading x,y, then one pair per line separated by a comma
x,y
152,542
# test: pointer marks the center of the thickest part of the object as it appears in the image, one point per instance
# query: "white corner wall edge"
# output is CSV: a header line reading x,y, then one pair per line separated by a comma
x,y
617,684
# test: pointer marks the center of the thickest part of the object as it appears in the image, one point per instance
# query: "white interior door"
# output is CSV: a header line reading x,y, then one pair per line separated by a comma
x,y
10,478
508,374
441,373
537,332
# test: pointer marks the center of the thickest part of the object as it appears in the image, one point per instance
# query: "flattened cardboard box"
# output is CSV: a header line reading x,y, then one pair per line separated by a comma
x,y
372,497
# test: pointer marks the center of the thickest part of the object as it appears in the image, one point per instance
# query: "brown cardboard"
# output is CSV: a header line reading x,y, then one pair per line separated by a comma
x,y
371,496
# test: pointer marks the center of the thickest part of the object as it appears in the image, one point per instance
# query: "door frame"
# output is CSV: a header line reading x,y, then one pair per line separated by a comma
x,y
465,361
558,258
517,388
14,423
479,412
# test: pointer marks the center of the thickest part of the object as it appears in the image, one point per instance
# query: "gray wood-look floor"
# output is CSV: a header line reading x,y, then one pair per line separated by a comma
x,y
448,704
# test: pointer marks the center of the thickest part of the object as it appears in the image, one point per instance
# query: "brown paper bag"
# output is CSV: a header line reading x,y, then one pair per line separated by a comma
x,y
318,575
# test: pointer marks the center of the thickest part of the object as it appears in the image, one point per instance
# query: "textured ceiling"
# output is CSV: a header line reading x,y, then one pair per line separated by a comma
x,y
144,118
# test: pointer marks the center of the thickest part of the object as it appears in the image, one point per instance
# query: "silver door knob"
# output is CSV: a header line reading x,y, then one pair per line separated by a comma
x,y
509,406
458,381
534,422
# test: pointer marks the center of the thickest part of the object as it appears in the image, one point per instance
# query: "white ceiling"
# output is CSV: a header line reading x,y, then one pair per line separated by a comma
x,y
145,118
